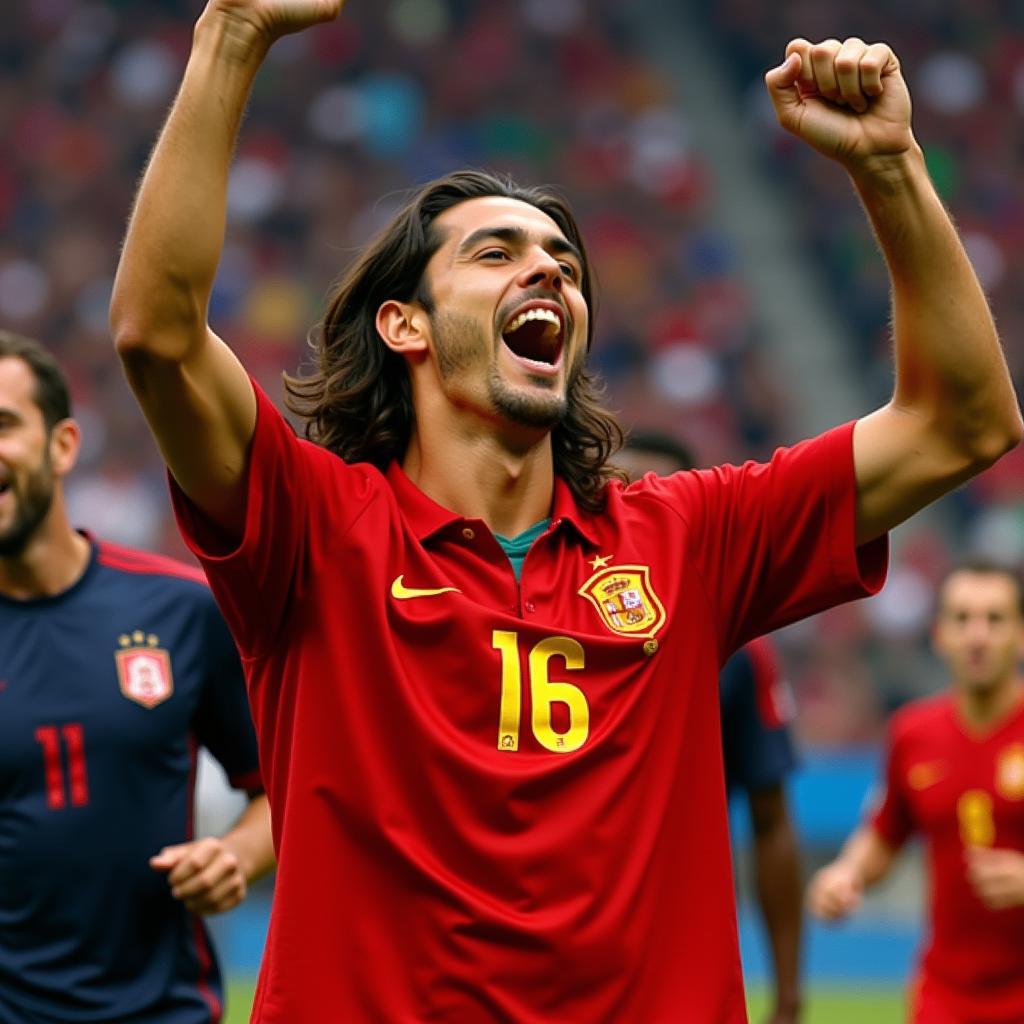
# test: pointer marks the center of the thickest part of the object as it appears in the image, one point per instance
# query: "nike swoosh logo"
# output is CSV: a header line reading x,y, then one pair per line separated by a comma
x,y
401,592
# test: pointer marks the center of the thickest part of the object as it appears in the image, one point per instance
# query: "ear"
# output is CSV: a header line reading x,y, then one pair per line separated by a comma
x,y
404,327
65,443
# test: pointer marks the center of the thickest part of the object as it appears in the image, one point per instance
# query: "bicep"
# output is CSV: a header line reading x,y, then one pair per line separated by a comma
x,y
901,465
202,412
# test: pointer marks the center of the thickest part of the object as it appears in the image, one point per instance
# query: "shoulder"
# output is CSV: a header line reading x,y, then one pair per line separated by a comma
x,y
130,564
920,717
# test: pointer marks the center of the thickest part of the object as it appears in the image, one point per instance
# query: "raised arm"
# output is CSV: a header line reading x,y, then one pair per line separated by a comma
x,y
953,411
194,392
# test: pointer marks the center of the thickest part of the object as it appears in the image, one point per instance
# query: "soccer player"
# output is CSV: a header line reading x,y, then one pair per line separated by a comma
x,y
758,755
955,775
114,666
483,673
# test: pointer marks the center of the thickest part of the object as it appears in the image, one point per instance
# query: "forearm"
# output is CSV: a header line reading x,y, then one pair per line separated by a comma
x,y
868,855
176,231
779,892
251,841
950,369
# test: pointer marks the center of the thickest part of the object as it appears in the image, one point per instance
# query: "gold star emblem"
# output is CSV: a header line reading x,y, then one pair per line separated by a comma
x,y
600,562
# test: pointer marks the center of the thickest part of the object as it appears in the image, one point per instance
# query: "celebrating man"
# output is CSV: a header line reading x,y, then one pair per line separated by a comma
x,y
483,674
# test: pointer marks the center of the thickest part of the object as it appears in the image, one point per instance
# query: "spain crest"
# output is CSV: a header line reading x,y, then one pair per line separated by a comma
x,y
1010,772
625,600
144,669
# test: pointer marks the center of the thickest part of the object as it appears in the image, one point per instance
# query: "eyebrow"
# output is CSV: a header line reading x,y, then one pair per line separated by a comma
x,y
554,244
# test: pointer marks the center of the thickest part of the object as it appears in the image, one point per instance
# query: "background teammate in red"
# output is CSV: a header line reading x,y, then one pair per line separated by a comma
x,y
496,775
955,775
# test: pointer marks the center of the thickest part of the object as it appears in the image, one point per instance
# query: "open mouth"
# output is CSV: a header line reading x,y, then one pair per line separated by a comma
x,y
536,335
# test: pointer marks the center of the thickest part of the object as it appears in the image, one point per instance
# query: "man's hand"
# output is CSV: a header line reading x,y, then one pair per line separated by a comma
x,y
997,876
848,100
267,20
205,875
835,891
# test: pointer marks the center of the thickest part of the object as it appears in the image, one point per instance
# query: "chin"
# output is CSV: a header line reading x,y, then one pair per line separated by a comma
x,y
540,406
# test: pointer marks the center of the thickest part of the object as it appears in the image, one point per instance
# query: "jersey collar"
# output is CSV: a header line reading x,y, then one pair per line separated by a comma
x,y
428,518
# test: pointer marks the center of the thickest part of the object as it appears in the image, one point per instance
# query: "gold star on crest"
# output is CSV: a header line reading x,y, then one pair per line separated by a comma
x,y
600,562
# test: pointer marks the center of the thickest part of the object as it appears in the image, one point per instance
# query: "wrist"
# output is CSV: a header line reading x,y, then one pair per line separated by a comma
x,y
236,845
887,174
231,38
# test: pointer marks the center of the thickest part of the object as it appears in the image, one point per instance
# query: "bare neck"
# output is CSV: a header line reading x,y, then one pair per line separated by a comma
x,y
982,710
54,559
480,475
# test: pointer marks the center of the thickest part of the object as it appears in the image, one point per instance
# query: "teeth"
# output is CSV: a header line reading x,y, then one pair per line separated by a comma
x,y
548,315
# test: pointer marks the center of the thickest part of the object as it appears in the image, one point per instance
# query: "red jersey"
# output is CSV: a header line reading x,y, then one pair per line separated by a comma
x,y
498,799
957,788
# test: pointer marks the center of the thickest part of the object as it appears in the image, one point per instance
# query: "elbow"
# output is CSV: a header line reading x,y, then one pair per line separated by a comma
x,y
142,334
990,445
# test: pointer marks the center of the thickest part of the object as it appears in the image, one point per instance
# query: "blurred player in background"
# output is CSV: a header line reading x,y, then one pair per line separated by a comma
x,y
483,672
114,667
955,775
758,755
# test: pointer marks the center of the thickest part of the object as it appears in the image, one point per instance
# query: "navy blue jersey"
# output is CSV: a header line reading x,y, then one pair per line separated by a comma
x,y
106,693
755,710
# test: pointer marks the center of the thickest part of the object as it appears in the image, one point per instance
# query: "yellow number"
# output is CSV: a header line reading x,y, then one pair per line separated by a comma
x,y
974,811
544,691
511,689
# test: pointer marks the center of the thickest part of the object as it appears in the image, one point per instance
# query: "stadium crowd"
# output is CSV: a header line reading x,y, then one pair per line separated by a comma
x,y
552,91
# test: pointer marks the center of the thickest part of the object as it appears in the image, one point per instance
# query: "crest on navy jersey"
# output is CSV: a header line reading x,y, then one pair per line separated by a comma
x,y
625,599
144,669
1010,772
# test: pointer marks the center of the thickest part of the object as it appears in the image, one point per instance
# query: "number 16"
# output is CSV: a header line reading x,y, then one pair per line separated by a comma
x,y
544,692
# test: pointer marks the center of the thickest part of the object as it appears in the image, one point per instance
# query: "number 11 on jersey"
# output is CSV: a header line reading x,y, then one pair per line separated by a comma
x,y
544,692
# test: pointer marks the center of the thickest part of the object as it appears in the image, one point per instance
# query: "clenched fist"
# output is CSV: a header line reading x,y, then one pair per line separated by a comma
x,y
846,99
205,875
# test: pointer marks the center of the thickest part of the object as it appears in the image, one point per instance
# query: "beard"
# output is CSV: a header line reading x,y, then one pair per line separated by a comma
x,y
31,508
462,345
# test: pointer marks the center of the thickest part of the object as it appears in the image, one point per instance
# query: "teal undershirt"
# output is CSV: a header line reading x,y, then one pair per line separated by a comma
x,y
516,547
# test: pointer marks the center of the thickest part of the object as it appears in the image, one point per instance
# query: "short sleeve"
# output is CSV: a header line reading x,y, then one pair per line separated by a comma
x,y
223,723
289,481
757,747
891,817
775,542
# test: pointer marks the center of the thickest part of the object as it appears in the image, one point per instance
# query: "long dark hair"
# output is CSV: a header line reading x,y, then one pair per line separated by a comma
x,y
357,401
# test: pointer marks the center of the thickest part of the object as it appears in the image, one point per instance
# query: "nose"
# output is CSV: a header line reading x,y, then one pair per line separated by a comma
x,y
543,269
978,631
